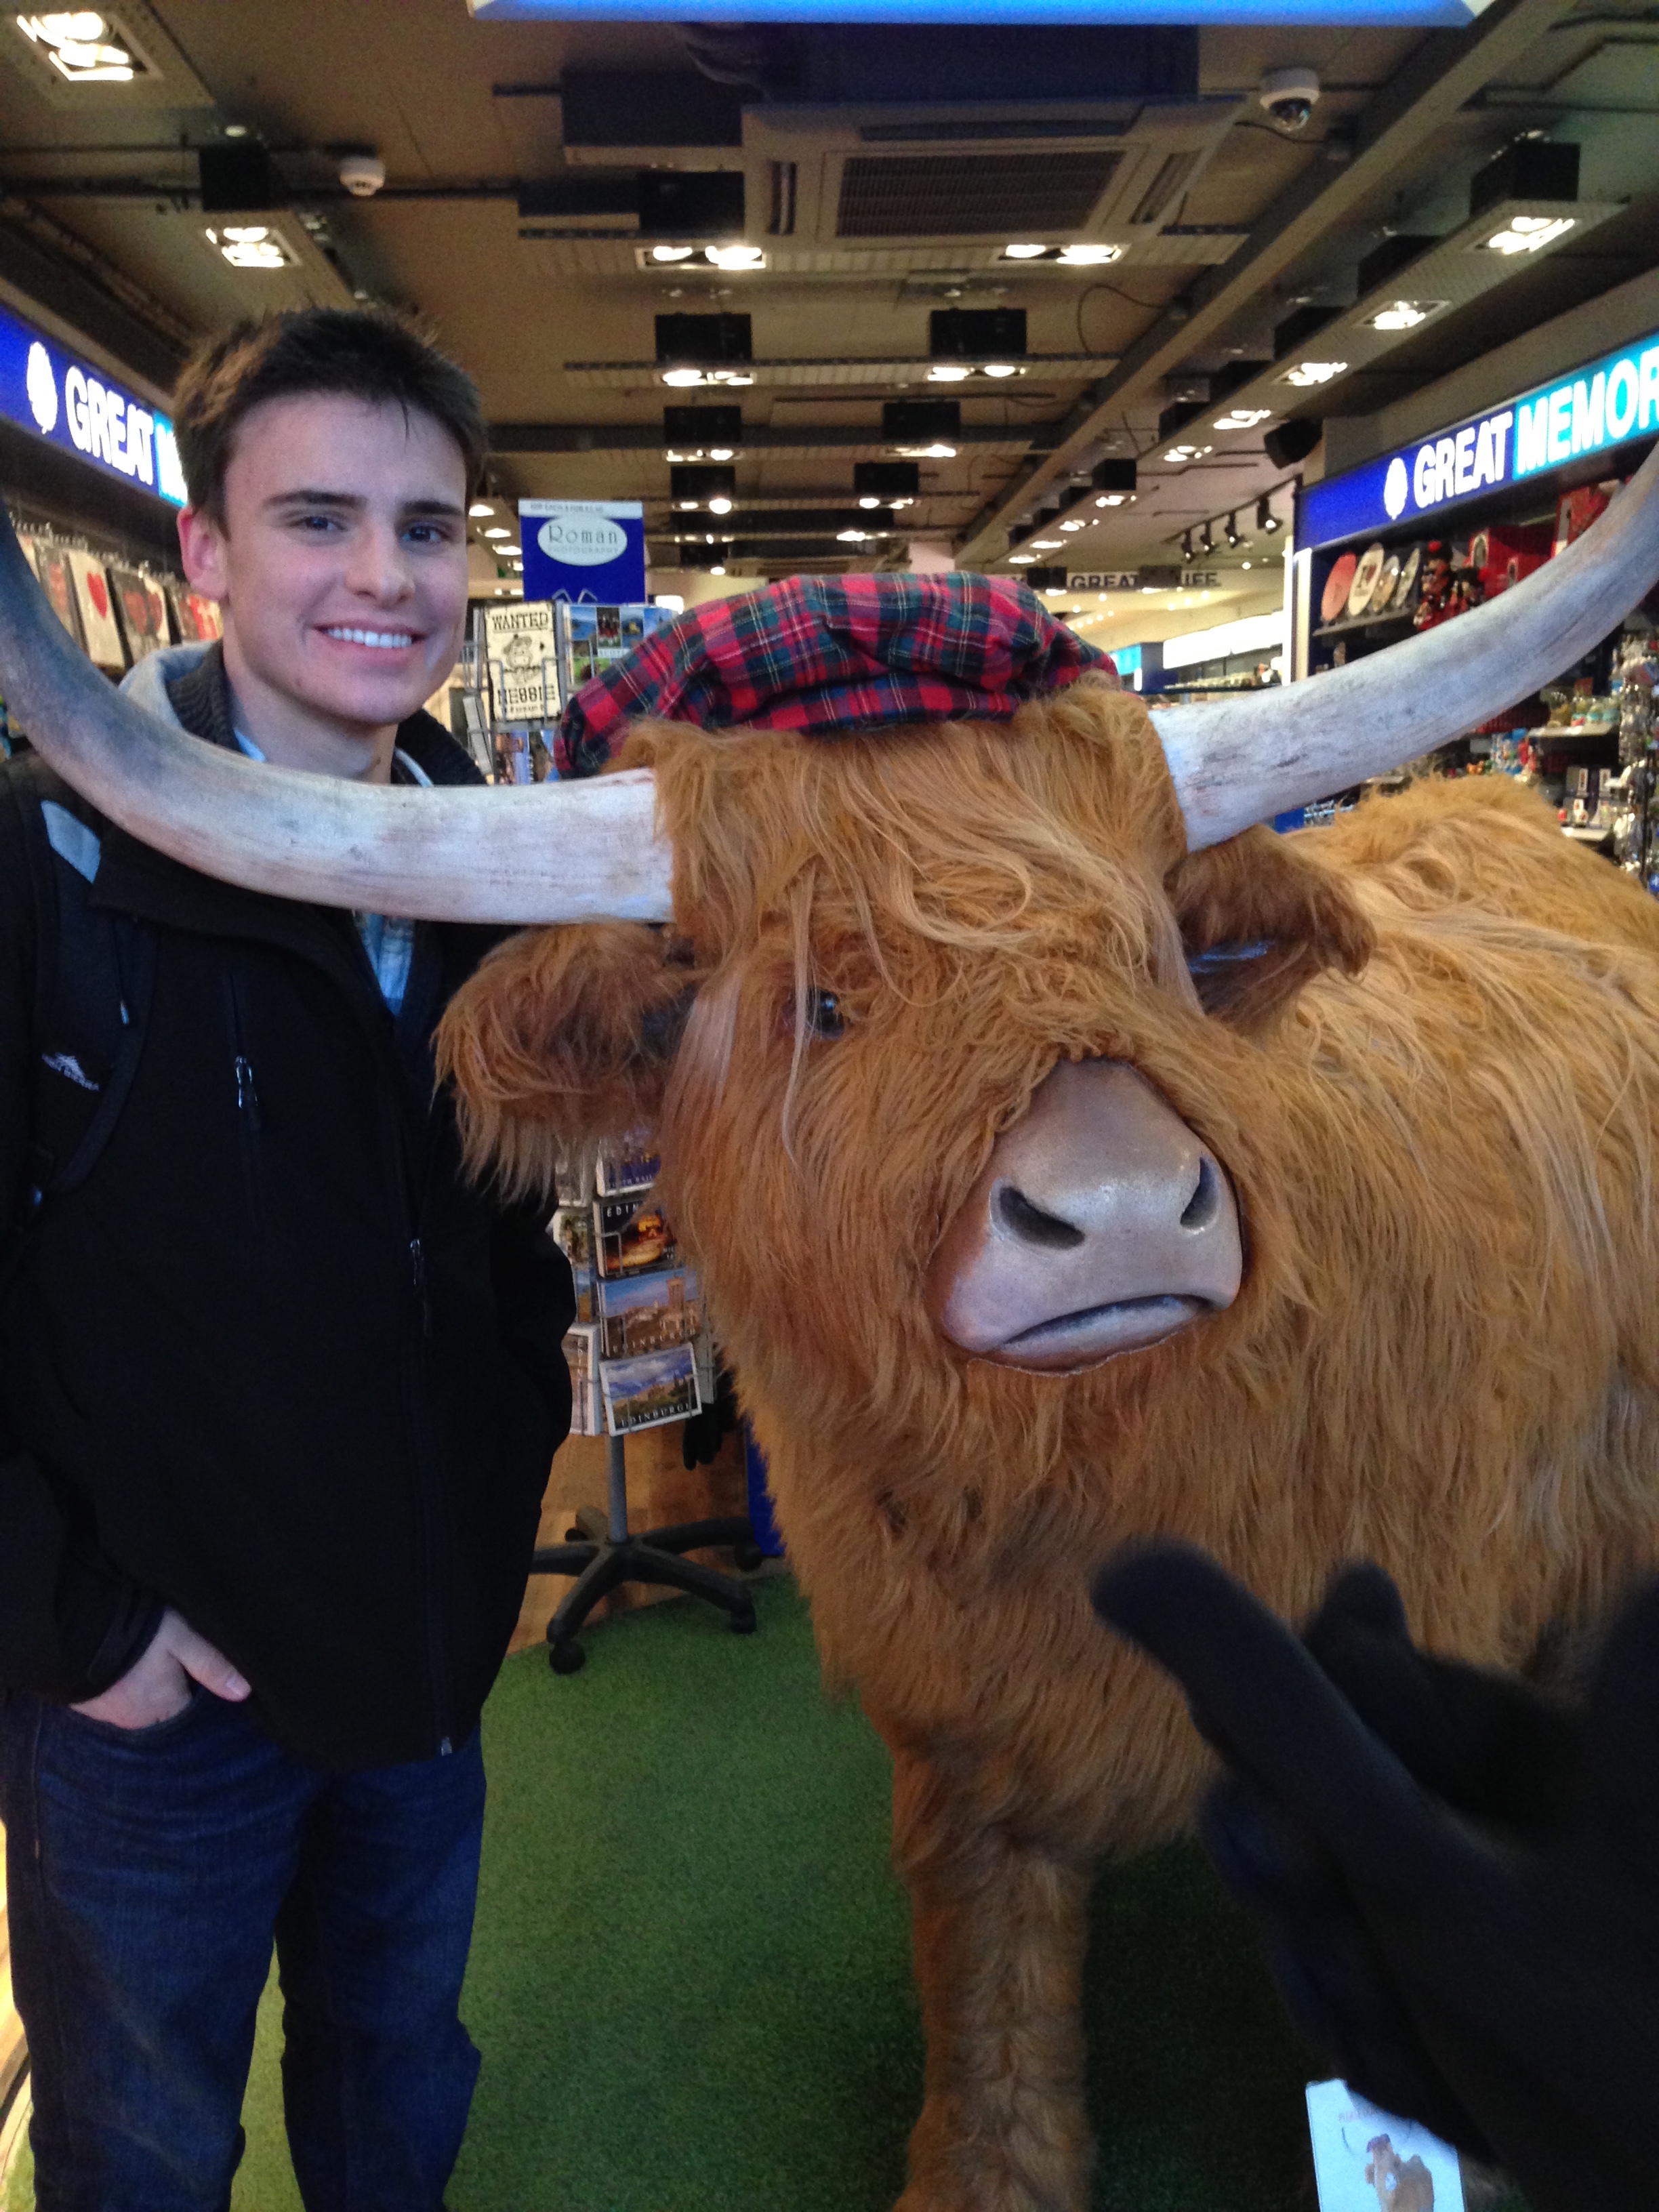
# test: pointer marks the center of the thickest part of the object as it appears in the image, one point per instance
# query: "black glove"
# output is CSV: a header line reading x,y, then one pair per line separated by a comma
x,y
1457,1879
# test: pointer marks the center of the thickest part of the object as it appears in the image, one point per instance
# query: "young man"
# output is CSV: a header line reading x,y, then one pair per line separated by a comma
x,y
278,1390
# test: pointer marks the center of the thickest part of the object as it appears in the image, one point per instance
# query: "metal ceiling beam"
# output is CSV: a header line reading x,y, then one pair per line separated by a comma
x,y
1440,76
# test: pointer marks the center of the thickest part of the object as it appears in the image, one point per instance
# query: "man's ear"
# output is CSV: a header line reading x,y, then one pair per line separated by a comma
x,y
563,1038
1260,919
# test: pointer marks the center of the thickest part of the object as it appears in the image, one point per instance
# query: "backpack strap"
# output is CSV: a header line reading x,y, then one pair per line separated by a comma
x,y
95,973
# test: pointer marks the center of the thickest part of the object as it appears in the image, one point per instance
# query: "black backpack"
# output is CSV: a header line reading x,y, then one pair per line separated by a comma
x,y
95,974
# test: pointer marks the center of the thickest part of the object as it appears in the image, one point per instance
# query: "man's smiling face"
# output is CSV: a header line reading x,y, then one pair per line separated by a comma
x,y
340,561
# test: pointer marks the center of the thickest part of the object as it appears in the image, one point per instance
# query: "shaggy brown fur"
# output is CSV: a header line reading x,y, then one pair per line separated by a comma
x,y
1442,1356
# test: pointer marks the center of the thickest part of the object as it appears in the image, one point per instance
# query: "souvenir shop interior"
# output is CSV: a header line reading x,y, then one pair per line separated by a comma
x,y
1256,349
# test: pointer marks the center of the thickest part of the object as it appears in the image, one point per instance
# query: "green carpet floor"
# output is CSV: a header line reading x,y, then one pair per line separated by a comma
x,y
690,1980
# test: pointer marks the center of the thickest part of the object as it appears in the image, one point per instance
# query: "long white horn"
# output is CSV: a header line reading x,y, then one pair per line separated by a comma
x,y
1242,760
553,852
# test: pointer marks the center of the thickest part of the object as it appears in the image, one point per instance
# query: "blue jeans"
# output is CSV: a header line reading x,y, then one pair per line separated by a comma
x,y
147,1873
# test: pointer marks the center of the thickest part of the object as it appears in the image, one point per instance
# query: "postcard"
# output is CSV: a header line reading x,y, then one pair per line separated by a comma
x,y
643,1393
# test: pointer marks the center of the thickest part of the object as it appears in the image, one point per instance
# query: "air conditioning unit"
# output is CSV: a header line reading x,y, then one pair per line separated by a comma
x,y
1043,174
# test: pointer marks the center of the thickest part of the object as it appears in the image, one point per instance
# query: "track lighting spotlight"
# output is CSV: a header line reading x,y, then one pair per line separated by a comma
x,y
1206,542
1265,519
1186,545
1234,538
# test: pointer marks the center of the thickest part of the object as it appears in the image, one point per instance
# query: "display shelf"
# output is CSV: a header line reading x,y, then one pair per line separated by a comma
x,y
1365,622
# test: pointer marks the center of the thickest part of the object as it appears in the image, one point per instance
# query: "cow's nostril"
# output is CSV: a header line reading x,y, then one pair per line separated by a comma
x,y
1205,1201
1031,1224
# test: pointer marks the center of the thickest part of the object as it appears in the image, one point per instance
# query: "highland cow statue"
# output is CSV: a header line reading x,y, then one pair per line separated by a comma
x,y
1066,1159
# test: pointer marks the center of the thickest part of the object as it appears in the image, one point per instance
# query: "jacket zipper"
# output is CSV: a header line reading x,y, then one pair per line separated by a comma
x,y
250,1119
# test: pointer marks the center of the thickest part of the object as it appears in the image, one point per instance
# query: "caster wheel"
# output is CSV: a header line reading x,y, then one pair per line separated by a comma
x,y
747,1558
566,1657
744,1623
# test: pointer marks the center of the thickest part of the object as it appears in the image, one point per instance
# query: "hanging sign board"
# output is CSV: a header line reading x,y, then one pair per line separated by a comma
x,y
1592,410
591,551
53,394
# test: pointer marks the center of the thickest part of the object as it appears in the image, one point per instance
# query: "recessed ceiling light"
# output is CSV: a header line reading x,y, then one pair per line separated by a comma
x,y
1023,252
681,376
83,47
1307,373
1074,525
1525,233
481,507
1241,418
731,376
852,537
721,453
1178,456
672,252
927,452
1022,559
720,506
948,372
869,502
1047,544
250,245
1090,256
498,533
1111,498
718,568
1000,368
1404,314
734,257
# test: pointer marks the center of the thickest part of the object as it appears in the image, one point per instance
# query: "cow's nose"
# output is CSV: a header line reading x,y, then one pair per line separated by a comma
x,y
1100,1224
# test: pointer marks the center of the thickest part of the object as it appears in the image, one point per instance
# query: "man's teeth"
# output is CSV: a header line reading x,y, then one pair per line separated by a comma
x,y
390,638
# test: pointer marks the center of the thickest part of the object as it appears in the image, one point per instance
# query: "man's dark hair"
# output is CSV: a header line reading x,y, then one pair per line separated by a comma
x,y
366,353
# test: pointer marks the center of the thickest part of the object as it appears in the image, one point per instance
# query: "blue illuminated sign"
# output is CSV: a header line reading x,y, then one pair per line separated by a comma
x,y
1591,412
57,396
588,550
1348,14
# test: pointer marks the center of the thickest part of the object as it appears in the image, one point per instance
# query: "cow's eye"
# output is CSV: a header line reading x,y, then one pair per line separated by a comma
x,y
823,1015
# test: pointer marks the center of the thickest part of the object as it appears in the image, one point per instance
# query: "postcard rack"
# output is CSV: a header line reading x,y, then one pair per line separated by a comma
x,y
640,1354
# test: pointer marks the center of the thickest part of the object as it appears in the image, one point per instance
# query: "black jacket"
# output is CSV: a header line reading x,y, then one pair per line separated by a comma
x,y
275,1362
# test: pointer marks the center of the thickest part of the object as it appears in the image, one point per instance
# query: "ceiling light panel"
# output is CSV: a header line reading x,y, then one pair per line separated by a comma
x,y
821,374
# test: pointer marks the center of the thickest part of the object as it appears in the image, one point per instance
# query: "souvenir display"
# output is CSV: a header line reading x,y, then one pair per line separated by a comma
x,y
1337,585
1383,591
99,626
51,565
143,607
1365,580
1407,583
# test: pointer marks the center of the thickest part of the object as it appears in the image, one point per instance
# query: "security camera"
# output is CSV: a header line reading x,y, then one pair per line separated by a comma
x,y
363,175
1289,96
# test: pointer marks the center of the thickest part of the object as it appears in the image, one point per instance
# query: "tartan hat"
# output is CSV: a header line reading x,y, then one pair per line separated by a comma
x,y
834,654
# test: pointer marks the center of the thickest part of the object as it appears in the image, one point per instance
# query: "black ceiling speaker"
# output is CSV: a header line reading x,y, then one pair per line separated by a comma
x,y
976,334
886,479
235,180
693,483
1292,441
1390,259
1531,169
691,204
704,338
702,426
1114,476
919,421
1045,579
1176,415
1296,329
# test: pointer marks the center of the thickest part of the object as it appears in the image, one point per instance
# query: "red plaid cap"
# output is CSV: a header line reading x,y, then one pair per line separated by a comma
x,y
834,653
